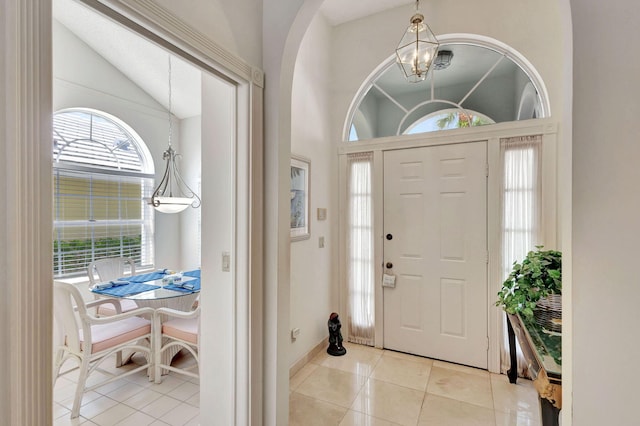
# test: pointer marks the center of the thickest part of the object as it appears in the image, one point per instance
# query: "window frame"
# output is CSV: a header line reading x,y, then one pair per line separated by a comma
x,y
109,176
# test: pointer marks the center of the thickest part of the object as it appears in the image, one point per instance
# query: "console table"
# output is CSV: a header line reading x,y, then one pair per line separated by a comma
x,y
543,353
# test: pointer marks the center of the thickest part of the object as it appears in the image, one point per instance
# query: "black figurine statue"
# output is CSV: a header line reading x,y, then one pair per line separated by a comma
x,y
335,336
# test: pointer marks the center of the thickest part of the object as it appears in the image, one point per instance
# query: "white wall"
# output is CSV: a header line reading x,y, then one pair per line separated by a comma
x,y
218,299
190,168
606,202
313,296
235,25
82,78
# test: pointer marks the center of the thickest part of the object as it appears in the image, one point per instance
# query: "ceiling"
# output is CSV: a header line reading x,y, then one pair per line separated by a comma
x,y
340,11
141,61
146,64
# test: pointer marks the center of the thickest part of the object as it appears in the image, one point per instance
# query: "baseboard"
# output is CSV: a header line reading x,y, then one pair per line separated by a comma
x,y
297,366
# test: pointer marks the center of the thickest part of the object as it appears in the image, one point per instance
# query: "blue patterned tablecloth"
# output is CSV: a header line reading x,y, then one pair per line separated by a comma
x,y
141,278
126,290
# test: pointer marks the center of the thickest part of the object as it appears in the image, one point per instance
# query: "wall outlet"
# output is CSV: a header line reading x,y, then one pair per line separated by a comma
x,y
321,242
295,333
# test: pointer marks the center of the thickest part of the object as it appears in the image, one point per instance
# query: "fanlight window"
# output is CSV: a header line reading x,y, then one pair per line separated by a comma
x,y
102,179
468,85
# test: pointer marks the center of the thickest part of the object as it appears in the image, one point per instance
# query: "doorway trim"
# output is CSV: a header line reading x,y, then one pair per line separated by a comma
x,y
492,134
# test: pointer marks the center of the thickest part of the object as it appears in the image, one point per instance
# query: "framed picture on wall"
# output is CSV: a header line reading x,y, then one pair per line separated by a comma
x,y
300,198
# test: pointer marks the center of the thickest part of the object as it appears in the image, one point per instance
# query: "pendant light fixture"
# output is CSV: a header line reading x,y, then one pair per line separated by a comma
x,y
417,48
172,195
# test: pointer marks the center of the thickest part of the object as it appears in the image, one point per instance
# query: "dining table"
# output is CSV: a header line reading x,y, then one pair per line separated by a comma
x,y
162,288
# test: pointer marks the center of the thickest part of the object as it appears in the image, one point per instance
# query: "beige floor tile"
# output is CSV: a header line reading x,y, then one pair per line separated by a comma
x,y
389,402
461,368
355,418
67,421
143,399
331,385
160,406
194,400
305,411
96,407
461,386
168,384
179,415
359,361
302,375
408,357
184,391
125,392
403,372
137,419
193,422
439,411
520,399
512,419
113,415
87,397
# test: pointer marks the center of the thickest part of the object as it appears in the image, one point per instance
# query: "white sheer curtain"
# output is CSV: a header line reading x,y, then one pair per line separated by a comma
x,y
361,273
521,211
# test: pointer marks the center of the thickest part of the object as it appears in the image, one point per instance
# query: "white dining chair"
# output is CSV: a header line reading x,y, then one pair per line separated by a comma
x,y
109,269
176,330
89,340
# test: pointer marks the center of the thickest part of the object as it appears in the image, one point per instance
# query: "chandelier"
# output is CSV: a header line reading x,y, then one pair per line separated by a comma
x,y
172,195
417,49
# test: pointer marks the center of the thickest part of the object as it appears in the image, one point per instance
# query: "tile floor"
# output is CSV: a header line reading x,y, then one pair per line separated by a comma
x,y
367,386
374,387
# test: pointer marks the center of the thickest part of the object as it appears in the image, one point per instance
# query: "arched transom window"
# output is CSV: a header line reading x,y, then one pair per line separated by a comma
x,y
103,177
469,84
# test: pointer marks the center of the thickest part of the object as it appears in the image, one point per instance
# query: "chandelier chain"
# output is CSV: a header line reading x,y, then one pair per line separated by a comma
x,y
170,120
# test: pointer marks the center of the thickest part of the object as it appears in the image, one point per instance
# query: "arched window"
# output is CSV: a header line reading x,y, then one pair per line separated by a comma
x,y
474,75
102,178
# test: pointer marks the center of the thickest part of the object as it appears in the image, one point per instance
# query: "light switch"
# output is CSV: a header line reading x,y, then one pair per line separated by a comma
x,y
321,242
226,261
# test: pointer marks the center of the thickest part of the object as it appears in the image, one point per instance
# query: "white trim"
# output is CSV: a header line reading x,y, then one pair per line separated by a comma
x,y
26,306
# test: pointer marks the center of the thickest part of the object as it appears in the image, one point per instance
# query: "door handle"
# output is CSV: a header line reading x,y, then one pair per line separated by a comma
x,y
389,265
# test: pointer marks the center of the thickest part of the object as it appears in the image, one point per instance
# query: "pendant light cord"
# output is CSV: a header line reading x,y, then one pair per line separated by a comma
x,y
170,121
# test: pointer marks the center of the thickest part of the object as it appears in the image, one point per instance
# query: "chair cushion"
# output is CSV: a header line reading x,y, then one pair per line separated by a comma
x,y
183,329
108,310
106,336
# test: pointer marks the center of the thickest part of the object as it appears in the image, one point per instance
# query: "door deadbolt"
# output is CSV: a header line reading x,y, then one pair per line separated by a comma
x,y
389,237
389,265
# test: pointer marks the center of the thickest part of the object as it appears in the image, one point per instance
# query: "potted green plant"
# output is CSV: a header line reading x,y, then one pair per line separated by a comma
x,y
538,276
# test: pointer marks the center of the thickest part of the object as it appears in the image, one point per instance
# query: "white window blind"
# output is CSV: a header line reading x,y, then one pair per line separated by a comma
x,y
100,193
360,248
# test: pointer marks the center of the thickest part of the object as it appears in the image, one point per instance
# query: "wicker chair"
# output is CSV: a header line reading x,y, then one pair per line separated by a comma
x,y
110,269
175,330
89,340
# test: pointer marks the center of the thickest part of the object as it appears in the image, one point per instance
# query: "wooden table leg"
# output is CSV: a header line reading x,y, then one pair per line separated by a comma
x,y
513,369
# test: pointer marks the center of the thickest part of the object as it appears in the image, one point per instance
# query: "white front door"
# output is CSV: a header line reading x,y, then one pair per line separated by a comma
x,y
435,229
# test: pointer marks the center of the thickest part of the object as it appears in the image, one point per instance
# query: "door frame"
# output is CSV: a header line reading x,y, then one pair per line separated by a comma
x,y
492,134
